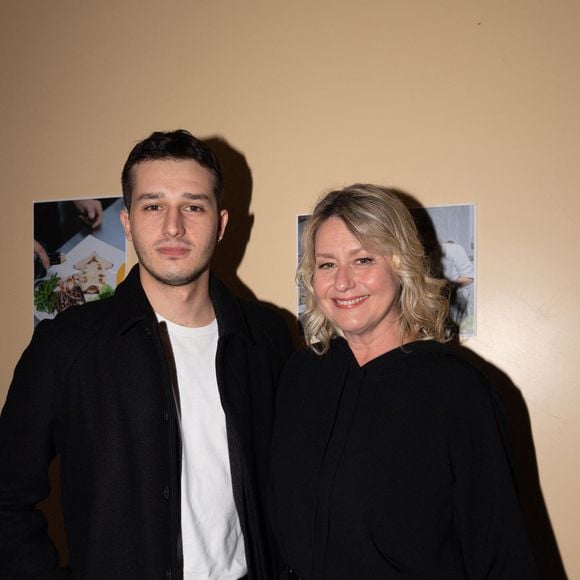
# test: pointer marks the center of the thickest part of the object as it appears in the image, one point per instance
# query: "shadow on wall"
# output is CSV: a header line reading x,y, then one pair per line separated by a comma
x,y
237,199
231,250
434,253
523,453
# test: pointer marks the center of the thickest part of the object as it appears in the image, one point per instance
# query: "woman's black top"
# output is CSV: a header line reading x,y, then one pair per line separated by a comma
x,y
396,469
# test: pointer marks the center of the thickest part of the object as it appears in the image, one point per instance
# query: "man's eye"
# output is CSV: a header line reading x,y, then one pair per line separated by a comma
x,y
194,208
152,207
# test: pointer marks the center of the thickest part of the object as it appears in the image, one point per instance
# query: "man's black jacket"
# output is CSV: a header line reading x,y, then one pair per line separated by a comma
x,y
95,386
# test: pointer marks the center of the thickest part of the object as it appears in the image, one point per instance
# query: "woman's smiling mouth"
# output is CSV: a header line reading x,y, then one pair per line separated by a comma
x,y
350,302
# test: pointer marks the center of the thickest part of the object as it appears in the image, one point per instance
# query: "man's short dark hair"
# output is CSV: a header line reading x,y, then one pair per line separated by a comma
x,y
179,144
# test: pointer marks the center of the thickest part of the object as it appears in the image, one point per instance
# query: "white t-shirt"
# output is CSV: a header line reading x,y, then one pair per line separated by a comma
x,y
213,545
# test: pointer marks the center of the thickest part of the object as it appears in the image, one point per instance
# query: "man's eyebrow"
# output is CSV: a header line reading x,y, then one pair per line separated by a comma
x,y
143,196
196,196
161,195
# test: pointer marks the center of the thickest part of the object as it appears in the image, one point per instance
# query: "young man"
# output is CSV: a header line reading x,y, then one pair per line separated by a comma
x,y
159,401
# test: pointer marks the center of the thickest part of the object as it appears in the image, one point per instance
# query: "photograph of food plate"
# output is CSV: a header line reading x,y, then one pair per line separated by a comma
x,y
89,271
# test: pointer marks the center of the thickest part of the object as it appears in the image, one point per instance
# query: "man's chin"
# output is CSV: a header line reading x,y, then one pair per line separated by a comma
x,y
176,279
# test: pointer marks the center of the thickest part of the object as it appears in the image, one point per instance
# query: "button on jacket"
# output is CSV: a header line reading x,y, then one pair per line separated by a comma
x,y
95,386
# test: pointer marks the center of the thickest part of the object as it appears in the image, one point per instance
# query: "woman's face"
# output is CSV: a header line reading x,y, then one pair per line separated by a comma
x,y
356,289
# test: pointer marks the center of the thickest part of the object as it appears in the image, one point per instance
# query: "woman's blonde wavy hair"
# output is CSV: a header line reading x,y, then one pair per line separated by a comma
x,y
380,222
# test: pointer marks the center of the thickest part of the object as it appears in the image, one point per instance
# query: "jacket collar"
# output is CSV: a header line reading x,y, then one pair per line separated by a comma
x,y
133,306
228,311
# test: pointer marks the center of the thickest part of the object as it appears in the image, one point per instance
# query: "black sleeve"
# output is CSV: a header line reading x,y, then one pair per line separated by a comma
x,y
490,526
26,449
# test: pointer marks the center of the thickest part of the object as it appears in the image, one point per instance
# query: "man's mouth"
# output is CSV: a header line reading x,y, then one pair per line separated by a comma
x,y
173,251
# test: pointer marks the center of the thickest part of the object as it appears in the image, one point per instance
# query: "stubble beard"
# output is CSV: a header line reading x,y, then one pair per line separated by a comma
x,y
176,279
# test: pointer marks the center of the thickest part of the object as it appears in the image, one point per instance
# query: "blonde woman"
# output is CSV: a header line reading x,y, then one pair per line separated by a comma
x,y
387,458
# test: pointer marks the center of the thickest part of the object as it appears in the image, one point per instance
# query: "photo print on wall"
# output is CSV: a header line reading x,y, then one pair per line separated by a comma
x,y
448,233
80,253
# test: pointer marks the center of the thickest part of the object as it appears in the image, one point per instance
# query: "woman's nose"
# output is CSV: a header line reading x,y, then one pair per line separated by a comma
x,y
343,280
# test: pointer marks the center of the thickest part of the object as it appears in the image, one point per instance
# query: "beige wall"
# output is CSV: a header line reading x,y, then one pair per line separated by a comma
x,y
451,101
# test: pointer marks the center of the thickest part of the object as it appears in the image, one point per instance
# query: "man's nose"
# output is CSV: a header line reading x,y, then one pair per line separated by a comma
x,y
173,225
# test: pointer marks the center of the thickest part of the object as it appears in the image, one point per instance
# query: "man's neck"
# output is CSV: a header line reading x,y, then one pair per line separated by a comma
x,y
188,305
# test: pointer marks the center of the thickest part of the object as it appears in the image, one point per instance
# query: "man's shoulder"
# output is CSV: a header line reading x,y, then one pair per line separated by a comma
x,y
266,322
124,304
258,322
260,312
77,321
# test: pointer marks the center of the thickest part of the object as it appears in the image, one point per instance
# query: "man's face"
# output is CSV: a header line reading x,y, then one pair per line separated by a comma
x,y
174,222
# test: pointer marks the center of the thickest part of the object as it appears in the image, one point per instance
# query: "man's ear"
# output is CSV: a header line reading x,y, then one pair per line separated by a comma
x,y
124,217
223,222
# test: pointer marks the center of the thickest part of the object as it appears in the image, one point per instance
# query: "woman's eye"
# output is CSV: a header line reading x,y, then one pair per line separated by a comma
x,y
365,260
325,265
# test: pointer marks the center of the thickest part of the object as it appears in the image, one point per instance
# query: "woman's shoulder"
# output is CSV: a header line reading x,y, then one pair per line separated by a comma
x,y
440,368
427,356
432,355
